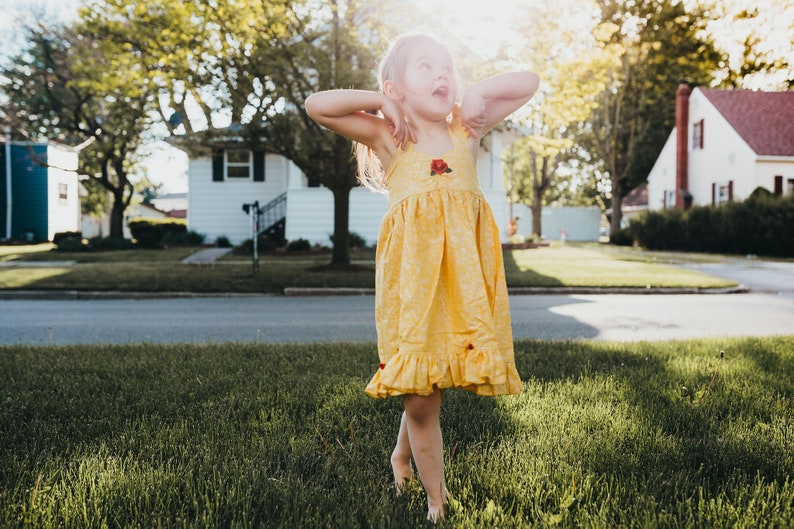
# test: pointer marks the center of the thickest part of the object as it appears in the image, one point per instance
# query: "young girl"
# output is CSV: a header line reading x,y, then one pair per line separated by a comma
x,y
441,301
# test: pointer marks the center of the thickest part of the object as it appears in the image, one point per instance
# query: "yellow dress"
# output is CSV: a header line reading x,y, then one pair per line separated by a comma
x,y
441,311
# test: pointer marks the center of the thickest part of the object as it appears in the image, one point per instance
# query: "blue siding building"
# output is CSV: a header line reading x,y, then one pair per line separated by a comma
x,y
37,200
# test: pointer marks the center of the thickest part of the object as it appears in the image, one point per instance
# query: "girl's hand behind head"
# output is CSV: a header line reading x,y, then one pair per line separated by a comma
x,y
398,127
474,116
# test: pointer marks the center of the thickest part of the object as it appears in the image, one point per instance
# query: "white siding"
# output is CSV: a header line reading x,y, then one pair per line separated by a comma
x,y
63,214
310,214
725,155
768,167
580,223
662,176
215,208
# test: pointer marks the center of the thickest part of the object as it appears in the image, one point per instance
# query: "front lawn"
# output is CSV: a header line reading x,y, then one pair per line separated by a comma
x,y
161,270
253,435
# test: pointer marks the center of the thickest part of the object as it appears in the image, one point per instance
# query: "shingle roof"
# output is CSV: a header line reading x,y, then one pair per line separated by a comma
x,y
765,120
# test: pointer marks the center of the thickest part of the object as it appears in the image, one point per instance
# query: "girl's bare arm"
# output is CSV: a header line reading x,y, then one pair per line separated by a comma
x,y
491,100
347,112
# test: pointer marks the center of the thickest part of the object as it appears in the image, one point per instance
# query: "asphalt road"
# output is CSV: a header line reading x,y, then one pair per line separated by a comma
x,y
767,310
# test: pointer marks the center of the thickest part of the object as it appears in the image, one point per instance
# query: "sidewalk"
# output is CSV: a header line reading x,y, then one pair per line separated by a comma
x,y
208,256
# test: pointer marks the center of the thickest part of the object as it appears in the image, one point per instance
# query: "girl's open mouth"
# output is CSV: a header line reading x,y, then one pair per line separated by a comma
x,y
441,92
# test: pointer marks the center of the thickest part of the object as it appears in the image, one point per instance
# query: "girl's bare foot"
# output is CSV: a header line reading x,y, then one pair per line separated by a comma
x,y
435,514
402,472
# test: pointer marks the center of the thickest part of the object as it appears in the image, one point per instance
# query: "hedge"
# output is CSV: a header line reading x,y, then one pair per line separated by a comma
x,y
761,225
150,233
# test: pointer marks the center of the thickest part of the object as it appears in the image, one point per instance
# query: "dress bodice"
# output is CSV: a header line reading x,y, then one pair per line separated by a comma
x,y
412,172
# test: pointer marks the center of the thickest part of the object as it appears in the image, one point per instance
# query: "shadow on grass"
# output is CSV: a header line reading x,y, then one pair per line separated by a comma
x,y
663,427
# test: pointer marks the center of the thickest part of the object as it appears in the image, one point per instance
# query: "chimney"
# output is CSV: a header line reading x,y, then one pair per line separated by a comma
x,y
682,195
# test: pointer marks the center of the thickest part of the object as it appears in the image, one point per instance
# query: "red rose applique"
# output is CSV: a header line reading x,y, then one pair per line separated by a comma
x,y
382,366
439,167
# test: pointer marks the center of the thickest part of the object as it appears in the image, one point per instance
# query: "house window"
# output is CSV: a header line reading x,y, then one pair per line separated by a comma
x,y
778,185
697,135
669,198
724,193
790,186
238,163
63,193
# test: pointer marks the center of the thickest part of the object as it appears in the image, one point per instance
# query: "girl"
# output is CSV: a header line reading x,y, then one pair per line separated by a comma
x,y
441,301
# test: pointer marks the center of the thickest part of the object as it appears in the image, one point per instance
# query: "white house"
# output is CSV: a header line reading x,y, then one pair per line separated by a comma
x,y
734,142
219,183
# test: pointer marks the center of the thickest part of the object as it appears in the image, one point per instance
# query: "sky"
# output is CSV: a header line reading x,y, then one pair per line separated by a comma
x,y
481,24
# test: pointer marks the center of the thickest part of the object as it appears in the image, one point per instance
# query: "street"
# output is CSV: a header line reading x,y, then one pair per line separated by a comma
x,y
767,310
284,319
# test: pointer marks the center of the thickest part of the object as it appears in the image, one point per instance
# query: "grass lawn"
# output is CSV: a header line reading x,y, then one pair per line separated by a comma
x,y
160,270
253,435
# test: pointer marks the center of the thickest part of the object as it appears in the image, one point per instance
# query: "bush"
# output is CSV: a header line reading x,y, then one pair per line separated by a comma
x,y
188,237
622,238
70,243
222,241
355,240
299,245
59,236
110,243
151,233
760,225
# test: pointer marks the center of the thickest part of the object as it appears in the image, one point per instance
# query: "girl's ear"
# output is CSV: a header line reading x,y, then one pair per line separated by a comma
x,y
392,90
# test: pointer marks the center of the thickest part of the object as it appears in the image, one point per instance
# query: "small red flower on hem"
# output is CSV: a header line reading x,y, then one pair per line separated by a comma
x,y
439,167
470,346
382,366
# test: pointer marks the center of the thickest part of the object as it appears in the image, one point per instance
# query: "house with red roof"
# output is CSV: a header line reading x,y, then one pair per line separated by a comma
x,y
725,144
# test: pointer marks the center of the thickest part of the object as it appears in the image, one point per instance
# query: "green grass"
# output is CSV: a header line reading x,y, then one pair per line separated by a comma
x,y
161,270
253,435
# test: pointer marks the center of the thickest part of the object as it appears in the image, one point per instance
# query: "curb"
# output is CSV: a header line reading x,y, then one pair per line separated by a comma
x,y
58,295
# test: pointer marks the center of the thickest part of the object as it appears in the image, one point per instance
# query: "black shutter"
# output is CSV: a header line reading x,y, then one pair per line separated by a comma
x,y
259,166
217,165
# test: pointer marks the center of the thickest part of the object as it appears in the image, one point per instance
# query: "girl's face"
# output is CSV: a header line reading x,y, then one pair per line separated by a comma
x,y
428,86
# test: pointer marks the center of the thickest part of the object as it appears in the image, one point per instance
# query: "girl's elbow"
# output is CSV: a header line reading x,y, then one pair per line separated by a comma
x,y
312,106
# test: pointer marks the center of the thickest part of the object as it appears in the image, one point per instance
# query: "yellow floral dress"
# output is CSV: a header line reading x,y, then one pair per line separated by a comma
x,y
442,312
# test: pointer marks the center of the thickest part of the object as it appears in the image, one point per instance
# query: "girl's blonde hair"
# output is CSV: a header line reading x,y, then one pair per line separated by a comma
x,y
392,66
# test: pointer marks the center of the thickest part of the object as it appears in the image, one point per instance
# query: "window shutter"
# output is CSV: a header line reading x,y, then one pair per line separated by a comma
x,y
713,193
259,166
217,165
778,184
730,190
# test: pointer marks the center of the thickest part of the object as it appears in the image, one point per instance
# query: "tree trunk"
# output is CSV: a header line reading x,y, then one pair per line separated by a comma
x,y
537,208
117,215
340,255
617,212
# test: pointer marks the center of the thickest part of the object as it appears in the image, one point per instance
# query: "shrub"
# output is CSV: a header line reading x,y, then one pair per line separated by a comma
x,y
760,225
222,241
110,243
150,233
299,245
355,240
59,236
188,237
71,243
622,238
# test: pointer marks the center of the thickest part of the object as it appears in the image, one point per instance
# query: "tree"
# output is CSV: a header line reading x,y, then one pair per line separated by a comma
x,y
251,64
573,75
80,92
661,43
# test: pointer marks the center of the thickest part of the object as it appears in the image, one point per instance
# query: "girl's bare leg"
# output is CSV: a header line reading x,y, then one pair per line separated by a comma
x,y
422,413
401,457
